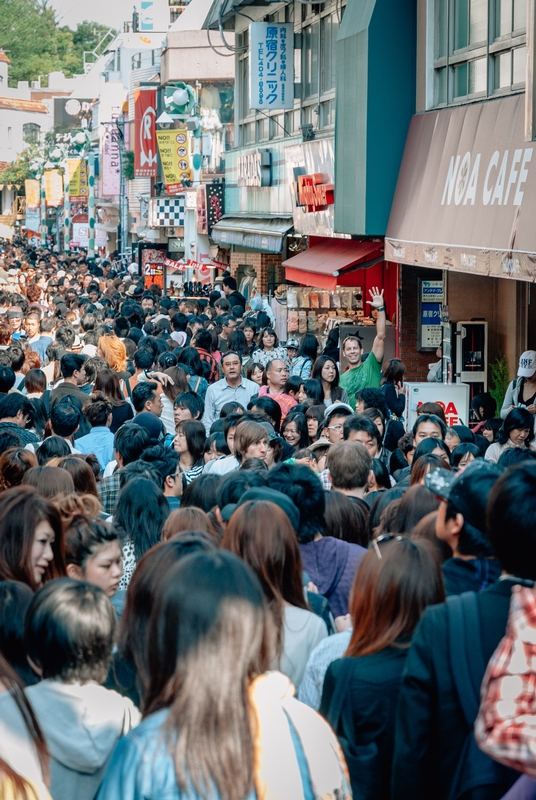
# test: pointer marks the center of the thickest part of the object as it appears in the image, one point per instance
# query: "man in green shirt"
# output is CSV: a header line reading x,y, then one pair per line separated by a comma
x,y
361,374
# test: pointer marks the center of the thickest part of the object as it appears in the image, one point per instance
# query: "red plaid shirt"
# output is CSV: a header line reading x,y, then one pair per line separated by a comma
x,y
505,727
205,356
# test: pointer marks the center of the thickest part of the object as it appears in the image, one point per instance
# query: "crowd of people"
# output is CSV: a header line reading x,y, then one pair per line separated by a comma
x,y
229,572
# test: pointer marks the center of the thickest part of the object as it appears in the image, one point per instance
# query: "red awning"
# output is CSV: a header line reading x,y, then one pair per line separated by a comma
x,y
322,264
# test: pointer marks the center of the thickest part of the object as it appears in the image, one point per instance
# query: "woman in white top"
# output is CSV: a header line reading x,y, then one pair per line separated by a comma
x,y
269,349
260,532
517,431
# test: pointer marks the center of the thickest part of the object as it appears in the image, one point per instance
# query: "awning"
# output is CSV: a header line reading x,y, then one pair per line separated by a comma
x,y
324,264
261,233
466,192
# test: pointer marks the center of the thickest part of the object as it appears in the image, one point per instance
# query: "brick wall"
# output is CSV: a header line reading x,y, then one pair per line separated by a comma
x,y
416,362
261,262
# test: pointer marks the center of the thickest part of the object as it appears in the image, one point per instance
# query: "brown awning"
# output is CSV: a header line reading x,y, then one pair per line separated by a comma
x,y
322,264
466,192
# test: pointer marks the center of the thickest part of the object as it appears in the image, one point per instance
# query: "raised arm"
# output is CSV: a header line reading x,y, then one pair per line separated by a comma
x,y
377,301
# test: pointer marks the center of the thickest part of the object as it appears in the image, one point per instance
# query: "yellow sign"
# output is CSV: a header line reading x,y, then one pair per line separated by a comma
x,y
54,187
32,191
77,179
175,157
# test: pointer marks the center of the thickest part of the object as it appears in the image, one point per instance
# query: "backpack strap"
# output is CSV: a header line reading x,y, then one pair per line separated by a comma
x,y
465,642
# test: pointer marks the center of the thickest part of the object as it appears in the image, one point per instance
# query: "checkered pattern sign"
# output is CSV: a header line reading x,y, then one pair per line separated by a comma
x,y
166,212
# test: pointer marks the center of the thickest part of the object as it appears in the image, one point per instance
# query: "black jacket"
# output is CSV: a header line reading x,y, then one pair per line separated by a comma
x,y
236,299
431,727
366,723
470,575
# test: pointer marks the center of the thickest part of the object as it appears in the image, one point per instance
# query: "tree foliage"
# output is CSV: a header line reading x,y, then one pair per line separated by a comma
x,y
37,45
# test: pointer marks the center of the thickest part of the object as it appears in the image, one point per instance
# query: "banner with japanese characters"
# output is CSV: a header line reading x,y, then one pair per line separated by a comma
x,y
271,65
54,187
32,191
175,158
77,179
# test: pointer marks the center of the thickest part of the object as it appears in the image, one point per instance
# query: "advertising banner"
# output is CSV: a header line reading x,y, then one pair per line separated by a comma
x,y
54,187
77,177
32,191
144,133
271,65
215,203
452,397
175,158
33,219
111,162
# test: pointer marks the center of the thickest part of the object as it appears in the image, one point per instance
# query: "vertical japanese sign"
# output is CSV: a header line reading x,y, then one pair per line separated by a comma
x,y
145,133
111,162
175,158
54,187
431,301
271,65
215,203
31,189
77,179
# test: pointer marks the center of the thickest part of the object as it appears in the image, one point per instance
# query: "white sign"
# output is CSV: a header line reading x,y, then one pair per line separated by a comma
x,y
432,291
271,65
81,234
499,182
33,219
452,397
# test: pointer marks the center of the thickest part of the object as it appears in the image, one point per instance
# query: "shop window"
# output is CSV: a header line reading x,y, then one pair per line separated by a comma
x,y
479,49
31,132
310,61
263,129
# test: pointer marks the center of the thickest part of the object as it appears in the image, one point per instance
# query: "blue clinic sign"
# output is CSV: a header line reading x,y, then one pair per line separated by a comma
x,y
271,65
431,300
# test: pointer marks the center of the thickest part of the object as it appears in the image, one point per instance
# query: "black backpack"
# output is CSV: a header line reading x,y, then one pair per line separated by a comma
x,y
477,776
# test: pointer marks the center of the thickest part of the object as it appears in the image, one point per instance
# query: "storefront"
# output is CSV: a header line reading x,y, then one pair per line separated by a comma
x,y
327,283
464,207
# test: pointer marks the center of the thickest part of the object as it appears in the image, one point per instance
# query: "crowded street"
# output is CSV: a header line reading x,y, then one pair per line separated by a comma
x,y
268,400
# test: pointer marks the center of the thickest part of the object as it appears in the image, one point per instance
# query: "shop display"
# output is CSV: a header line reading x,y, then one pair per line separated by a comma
x,y
319,310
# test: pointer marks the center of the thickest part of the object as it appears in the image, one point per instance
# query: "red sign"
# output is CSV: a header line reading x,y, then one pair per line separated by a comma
x,y
451,412
145,133
315,192
168,262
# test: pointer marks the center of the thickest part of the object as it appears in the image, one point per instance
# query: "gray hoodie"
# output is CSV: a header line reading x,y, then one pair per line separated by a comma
x,y
81,724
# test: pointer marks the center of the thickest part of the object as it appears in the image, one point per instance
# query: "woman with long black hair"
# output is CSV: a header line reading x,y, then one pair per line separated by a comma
x,y
189,443
326,371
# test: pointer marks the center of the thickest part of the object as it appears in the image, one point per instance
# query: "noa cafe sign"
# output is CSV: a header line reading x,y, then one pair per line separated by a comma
x,y
452,415
471,180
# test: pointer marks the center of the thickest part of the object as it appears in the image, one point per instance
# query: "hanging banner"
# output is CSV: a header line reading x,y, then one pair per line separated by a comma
x,y
215,203
271,65
54,188
175,158
32,191
144,133
111,162
33,220
77,178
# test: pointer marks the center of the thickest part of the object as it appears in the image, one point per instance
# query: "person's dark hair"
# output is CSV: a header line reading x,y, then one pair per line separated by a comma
x,y
517,418
494,425
80,471
69,631
293,384
179,385
416,503
70,363
130,441
185,520
107,382
313,389
300,421
141,512
272,410
512,499
234,485
308,347
14,464
464,434
21,510
202,492
203,339
51,447
358,422
422,465
11,404
7,379
49,481
318,366
426,529
97,409
390,594
167,360
346,520
485,401
261,534
515,455
238,342
65,419
373,398
230,282
462,450
230,353
141,393
16,355
15,597
232,407
143,358
191,361
163,459
192,402
435,409
195,435
428,445
301,484
269,330
393,371
141,469
381,473
220,445
35,380
429,418
84,536
202,672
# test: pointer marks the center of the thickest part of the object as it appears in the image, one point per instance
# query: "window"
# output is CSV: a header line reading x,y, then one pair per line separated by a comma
x,y
479,49
310,53
9,140
31,132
